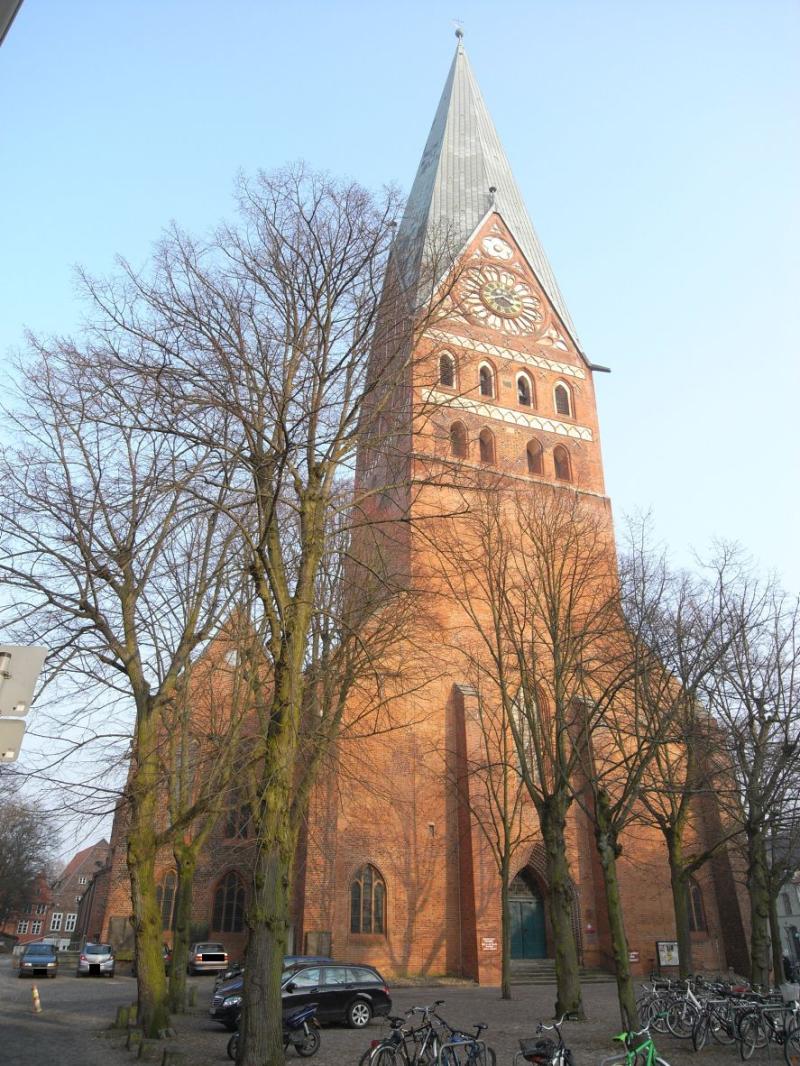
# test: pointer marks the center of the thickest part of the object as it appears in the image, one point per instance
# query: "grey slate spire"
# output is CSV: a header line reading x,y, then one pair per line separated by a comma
x,y
462,161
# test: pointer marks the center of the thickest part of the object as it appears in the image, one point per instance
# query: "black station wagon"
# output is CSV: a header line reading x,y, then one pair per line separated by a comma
x,y
342,992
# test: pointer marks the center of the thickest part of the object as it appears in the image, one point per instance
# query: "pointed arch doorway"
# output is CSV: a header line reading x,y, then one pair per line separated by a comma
x,y
526,912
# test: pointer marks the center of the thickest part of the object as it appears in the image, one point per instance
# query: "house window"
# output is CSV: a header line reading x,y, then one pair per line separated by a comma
x,y
486,442
563,399
697,914
41,908
22,926
447,371
55,921
165,898
534,453
562,464
524,391
486,378
458,440
36,927
70,921
228,914
78,899
83,880
787,903
367,901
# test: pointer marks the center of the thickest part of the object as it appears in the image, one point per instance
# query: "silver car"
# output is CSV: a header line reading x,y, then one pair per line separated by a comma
x,y
96,959
207,957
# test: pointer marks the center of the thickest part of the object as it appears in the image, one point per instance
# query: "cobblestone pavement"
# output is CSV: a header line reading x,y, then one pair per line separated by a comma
x,y
76,1012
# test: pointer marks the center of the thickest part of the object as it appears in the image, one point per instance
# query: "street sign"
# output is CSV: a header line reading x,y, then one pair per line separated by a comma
x,y
19,671
11,733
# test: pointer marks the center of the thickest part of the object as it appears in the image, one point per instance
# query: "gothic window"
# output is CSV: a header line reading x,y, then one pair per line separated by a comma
x,y
458,440
563,399
367,901
486,442
165,898
447,370
534,453
697,914
486,378
562,463
237,819
524,391
228,914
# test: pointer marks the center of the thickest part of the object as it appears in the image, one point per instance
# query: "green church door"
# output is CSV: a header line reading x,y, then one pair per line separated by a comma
x,y
527,921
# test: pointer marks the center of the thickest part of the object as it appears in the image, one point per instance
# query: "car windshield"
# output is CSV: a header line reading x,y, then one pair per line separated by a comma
x,y
38,949
98,949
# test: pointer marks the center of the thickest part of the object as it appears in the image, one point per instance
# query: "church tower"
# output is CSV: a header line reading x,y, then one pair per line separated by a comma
x,y
393,870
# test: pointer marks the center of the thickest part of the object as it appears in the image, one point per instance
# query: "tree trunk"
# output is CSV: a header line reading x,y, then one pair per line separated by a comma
x,y
261,1040
758,891
185,863
559,903
608,850
505,932
775,938
153,1013
680,901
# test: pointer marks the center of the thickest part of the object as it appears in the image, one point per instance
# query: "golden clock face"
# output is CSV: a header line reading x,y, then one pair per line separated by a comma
x,y
501,301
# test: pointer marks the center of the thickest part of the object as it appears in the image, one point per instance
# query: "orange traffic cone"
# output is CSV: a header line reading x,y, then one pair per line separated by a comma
x,y
37,1003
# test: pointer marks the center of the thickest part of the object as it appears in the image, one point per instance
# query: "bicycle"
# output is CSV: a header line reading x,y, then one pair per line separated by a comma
x,y
394,1047
465,1049
768,1024
546,1052
644,1054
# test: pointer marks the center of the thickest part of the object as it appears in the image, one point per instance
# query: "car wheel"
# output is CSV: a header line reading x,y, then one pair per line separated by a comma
x,y
358,1014
233,1046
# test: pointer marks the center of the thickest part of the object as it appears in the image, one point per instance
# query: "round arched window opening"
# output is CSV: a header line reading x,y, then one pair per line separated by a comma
x,y
458,440
563,467
447,370
524,391
486,379
534,456
486,442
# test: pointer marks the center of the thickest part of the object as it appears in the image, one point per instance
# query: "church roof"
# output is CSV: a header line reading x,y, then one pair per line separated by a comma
x,y
463,159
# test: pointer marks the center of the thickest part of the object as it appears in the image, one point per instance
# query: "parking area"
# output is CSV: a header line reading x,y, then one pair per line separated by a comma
x,y
74,1012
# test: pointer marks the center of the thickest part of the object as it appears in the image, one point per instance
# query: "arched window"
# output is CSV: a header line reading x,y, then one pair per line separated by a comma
x,y
562,463
165,899
228,914
367,901
697,914
534,453
524,391
563,399
486,377
447,370
486,441
458,440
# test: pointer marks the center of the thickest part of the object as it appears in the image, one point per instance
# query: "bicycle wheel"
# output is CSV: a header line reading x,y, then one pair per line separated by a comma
x,y
681,1018
657,1013
791,1049
752,1034
700,1032
383,1056
659,1061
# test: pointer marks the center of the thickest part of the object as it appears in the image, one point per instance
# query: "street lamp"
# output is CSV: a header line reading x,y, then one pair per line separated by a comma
x,y
19,671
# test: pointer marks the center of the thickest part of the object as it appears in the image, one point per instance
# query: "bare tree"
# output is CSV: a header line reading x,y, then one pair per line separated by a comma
x,y
26,848
278,345
754,695
115,565
677,616
534,572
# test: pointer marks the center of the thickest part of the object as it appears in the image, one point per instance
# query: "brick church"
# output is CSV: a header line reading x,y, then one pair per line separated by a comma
x,y
392,869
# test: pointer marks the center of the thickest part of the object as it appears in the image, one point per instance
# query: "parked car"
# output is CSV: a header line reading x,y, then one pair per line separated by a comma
x,y
166,953
342,992
207,957
96,959
38,959
237,968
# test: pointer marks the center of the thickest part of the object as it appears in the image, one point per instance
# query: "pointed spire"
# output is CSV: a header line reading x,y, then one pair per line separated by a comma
x,y
463,174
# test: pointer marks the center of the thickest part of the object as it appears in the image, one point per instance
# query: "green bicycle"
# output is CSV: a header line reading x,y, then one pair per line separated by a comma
x,y
636,1054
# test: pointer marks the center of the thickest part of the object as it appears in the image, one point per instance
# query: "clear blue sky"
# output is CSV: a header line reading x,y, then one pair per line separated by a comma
x,y
656,144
